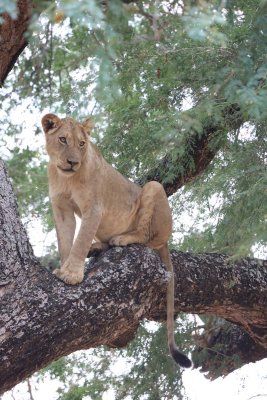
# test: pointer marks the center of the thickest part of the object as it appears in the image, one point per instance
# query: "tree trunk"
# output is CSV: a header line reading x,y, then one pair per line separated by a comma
x,y
12,37
42,319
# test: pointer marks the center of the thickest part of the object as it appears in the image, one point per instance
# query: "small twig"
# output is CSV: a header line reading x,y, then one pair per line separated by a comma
x,y
155,23
30,389
12,394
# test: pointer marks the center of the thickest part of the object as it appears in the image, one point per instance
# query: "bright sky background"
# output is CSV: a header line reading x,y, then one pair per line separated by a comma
x,y
249,382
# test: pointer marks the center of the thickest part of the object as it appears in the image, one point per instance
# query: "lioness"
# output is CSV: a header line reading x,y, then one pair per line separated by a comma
x,y
113,210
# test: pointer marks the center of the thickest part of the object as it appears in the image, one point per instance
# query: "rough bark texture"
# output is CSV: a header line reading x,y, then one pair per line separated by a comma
x,y
42,319
223,347
12,37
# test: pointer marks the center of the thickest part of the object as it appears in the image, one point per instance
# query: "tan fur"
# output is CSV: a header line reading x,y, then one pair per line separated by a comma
x,y
113,210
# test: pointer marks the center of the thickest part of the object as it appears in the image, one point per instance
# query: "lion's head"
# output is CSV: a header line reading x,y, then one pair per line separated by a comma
x,y
66,142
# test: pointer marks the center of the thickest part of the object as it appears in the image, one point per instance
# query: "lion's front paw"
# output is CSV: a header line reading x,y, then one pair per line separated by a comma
x,y
119,240
71,278
70,273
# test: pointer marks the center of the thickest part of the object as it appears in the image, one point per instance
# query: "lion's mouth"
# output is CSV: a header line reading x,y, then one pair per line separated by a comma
x,y
66,170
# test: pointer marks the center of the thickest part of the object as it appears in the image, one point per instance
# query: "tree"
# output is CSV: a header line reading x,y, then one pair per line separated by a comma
x,y
139,56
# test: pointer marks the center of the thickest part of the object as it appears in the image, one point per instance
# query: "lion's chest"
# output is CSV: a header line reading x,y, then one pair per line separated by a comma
x,y
117,215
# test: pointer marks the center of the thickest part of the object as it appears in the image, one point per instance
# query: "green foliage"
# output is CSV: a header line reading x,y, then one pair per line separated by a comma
x,y
154,75
231,216
148,370
50,259
205,24
81,374
29,178
153,373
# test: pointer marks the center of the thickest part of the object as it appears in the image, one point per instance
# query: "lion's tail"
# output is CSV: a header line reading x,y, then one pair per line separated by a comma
x,y
177,355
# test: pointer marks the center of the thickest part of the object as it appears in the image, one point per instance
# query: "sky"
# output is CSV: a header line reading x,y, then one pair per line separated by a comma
x,y
246,383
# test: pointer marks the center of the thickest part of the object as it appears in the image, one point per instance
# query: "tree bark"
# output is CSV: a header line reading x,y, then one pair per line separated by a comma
x,y
224,347
12,37
42,319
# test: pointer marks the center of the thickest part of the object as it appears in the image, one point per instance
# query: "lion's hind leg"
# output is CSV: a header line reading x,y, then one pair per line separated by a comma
x,y
145,229
97,248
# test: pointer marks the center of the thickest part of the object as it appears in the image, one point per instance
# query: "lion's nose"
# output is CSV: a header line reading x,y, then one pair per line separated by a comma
x,y
72,163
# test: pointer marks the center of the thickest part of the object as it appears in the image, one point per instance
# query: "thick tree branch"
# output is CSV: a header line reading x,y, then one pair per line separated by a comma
x,y
223,347
202,148
12,37
13,34
42,319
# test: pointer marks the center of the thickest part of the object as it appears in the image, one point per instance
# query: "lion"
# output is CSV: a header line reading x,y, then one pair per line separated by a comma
x,y
114,211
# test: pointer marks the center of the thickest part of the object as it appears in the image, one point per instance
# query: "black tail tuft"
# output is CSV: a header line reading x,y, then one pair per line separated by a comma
x,y
180,358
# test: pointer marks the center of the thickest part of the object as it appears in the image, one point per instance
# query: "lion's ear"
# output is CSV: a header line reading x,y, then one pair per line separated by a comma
x,y
88,125
51,123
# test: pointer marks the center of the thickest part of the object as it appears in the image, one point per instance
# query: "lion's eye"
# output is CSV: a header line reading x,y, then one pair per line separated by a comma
x,y
62,139
82,143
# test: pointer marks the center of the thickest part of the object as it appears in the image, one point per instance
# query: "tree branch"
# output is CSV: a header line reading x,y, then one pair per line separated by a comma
x,y
202,148
224,347
12,37
43,319
123,286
